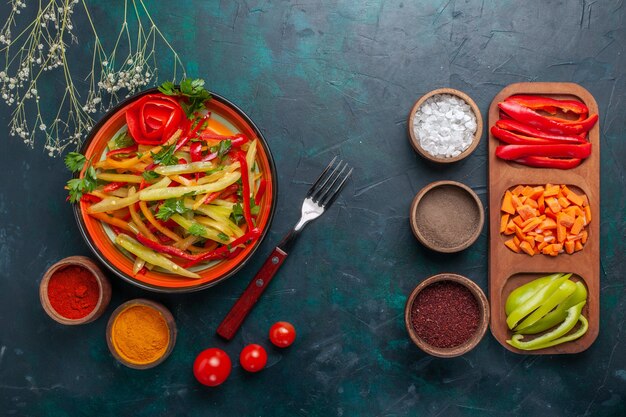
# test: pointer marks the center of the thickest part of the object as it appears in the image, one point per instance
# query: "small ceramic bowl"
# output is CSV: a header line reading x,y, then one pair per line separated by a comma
x,y
446,216
103,285
164,313
415,141
483,308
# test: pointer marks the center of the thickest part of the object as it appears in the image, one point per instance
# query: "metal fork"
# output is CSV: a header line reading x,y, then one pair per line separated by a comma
x,y
318,199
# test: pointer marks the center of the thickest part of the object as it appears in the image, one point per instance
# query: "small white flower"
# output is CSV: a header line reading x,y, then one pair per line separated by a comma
x,y
42,127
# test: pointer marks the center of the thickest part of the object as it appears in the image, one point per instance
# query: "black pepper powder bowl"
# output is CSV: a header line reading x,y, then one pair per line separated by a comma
x,y
446,315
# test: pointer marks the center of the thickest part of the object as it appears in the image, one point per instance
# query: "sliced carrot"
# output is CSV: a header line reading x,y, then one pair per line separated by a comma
x,y
527,190
574,198
511,245
547,224
584,236
537,193
553,204
503,222
566,220
588,213
519,233
585,200
549,213
531,203
551,190
516,201
563,202
526,212
516,240
532,223
510,228
525,246
578,225
530,240
539,238
569,247
518,221
542,245
578,246
517,190
507,204
561,231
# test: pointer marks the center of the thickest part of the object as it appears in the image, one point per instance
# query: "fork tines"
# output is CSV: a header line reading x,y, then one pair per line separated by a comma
x,y
327,187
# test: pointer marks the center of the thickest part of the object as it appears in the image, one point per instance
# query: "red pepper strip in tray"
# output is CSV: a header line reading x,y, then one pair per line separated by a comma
x,y
549,104
170,250
560,150
112,186
531,117
224,251
513,126
547,162
517,139
127,150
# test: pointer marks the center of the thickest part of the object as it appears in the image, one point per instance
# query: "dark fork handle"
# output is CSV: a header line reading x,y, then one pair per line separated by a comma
x,y
248,299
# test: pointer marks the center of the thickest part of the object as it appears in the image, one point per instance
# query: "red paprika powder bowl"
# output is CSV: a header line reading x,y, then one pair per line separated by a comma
x,y
446,315
74,291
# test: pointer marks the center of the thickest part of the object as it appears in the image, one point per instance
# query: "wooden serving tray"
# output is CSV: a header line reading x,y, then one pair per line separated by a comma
x,y
507,269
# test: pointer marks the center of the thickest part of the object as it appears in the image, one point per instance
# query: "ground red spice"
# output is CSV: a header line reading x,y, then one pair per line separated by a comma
x,y
445,314
73,292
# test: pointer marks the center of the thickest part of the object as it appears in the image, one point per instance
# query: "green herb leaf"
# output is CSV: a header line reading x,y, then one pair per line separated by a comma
x,y
122,140
75,161
165,156
78,186
237,214
196,230
194,92
223,236
254,209
150,175
169,207
224,147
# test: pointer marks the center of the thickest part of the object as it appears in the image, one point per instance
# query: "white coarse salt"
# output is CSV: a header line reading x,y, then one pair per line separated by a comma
x,y
445,125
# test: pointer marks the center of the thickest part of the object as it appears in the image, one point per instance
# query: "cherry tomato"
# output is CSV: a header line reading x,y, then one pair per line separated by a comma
x,y
253,358
282,334
212,367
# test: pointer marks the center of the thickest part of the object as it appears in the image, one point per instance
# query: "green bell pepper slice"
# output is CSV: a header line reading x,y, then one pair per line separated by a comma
x,y
535,301
521,294
557,315
566,289
557,335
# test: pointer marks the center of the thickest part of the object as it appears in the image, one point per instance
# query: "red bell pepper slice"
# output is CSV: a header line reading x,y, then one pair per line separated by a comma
x,y
235,141
245,182
170,250
531,117
529,133
550,105
195,151
560,150
127,150
260,191
224,251
547,162
112,186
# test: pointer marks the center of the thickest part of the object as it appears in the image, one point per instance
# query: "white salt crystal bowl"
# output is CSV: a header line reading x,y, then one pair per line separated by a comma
x,y
416,140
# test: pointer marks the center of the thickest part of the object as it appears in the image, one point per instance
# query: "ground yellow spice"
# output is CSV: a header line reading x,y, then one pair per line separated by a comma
x,y
140,335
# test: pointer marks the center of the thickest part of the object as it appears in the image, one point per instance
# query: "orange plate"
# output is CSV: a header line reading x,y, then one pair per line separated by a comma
x,y
105,249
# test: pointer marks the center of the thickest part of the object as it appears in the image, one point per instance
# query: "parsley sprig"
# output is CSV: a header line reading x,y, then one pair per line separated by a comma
x,y
170,207
192,89
197,230
165,156
75,162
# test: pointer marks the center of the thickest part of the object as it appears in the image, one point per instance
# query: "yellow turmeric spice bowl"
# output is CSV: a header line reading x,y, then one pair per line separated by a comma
x,y
141,333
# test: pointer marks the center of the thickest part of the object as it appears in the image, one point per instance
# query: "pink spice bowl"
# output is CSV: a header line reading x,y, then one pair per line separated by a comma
x,y
74,291
446,315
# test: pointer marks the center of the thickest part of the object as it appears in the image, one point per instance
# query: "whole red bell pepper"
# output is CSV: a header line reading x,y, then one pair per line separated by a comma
x,y
528,132
550,105
531,117
560,150
547,162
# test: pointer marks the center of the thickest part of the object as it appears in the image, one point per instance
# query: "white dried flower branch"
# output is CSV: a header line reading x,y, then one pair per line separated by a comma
x,y
42,46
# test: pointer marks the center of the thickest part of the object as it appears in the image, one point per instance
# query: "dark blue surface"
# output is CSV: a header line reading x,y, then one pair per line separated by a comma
x,y
320,79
